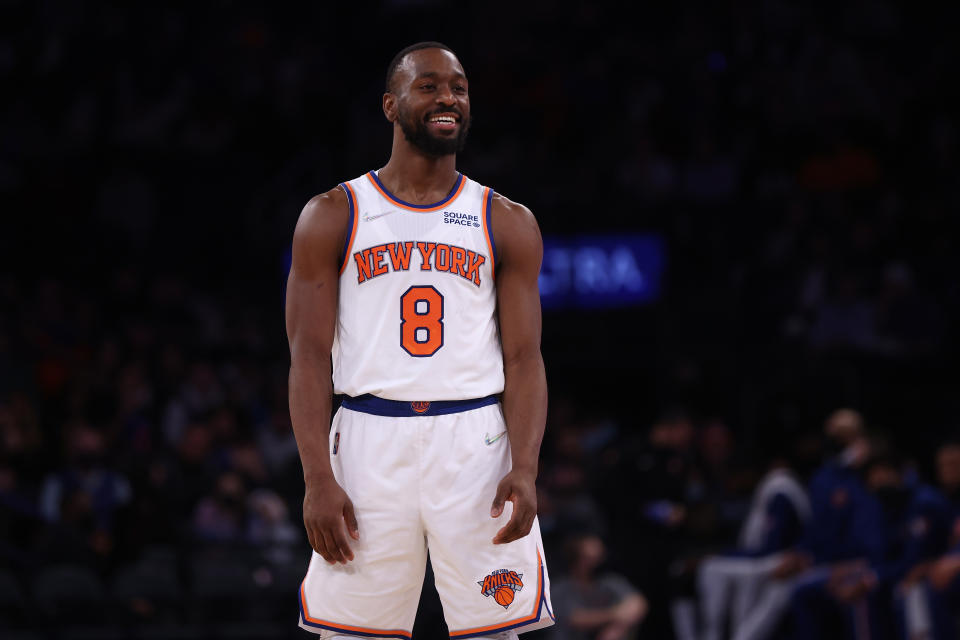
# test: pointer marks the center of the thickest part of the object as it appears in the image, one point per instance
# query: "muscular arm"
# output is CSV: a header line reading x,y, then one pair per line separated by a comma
x,y
525,387
311,311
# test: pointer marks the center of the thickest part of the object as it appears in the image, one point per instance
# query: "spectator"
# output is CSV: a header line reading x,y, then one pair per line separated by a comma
x,y
222,516
83,503
915,522
597,606
834,532
931,605
733,582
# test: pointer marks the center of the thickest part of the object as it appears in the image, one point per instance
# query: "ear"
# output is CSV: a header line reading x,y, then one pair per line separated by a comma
x,y
390,107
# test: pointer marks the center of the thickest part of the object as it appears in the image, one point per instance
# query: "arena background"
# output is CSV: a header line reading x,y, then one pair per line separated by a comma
x,y
797,164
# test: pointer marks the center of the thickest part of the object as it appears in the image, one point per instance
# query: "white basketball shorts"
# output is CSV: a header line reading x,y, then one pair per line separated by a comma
x,y
422,477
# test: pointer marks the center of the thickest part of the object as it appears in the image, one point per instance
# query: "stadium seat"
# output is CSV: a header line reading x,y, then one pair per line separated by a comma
x,y
71,592
23,635
221,589
253,631
12,601
170,632
147,590
92,633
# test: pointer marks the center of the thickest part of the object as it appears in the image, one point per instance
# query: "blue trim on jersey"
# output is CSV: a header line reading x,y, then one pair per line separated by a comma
x,y
353,214
453,192
401,409
493,245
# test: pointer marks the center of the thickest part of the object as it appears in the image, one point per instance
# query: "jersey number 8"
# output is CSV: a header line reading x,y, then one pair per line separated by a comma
x,y
421,326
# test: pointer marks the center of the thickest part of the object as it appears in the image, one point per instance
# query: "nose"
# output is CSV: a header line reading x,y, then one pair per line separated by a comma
x,y
445,96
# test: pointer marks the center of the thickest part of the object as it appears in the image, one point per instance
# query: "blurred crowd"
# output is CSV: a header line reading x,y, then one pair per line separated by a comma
x,y
146,451
832,534
799,161
148,466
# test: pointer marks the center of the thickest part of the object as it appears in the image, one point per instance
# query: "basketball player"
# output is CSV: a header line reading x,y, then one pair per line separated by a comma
x,y
422,285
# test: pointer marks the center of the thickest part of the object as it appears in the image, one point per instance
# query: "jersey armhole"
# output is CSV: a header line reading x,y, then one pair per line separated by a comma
x,y
488,229
351,225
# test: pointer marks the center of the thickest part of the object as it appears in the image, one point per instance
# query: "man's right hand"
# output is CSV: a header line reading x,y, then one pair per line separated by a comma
x,y
328,518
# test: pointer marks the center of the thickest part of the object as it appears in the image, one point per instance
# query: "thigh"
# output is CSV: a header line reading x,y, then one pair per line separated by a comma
x,y
377,593
485,588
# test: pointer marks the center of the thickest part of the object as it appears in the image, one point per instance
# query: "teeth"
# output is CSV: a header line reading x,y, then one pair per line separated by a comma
x,y
445,119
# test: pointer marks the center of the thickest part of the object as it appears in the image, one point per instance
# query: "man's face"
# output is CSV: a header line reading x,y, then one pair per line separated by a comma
x,y
433,105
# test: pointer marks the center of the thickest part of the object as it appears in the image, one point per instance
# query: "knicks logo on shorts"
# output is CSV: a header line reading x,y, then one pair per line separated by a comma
x,y
503,585
420,407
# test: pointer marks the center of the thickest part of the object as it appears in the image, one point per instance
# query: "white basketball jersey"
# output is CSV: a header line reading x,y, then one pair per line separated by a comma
x,y
416,314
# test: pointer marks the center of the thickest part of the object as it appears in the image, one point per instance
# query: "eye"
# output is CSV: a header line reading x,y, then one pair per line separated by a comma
x,y
460,88
428,86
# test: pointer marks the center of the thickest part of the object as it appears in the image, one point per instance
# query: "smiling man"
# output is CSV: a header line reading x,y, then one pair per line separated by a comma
x,y
422,286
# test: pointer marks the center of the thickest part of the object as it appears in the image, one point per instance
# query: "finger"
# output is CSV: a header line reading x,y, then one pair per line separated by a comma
x,y
334,536
528,518
519,525
503,492
510,531
311,539
332,551
351,519
343,545
319,545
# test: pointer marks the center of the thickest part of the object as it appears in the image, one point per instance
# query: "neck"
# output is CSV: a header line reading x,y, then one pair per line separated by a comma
x,y
416,177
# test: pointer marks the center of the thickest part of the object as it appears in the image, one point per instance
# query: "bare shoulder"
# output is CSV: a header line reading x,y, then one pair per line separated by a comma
x,y
515,228
323,214
510,213
321,232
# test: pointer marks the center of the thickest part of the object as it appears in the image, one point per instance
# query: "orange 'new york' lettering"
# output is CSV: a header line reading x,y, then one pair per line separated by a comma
x,y
400,255
458,260
426,250
474,260
442,260
379,266
363,265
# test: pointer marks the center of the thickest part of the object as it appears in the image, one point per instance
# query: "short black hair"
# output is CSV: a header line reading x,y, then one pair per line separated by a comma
x,y
397,59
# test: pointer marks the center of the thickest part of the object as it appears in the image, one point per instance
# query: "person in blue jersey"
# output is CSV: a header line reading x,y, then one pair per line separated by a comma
x,y
837,499
944,581
932,597
413,294
915,519
732,585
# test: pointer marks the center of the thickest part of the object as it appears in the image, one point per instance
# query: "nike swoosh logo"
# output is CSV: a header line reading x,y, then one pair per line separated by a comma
x,y
489,440
368,217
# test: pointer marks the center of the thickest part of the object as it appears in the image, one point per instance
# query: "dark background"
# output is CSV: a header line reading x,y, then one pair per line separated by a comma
x,y
801,163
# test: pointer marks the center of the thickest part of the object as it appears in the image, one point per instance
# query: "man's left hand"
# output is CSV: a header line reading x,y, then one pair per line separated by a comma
x,y
518,487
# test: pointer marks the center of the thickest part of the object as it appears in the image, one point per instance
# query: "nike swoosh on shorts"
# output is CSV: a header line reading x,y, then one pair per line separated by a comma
x,y
489,440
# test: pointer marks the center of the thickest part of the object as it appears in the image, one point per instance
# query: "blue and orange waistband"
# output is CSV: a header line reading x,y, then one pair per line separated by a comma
x,y
402,409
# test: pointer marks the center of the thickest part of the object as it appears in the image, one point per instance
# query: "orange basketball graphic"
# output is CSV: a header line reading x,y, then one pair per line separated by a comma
x,y
504,595
503,585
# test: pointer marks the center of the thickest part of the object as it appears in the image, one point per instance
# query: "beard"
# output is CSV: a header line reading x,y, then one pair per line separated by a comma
x,y
417,134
